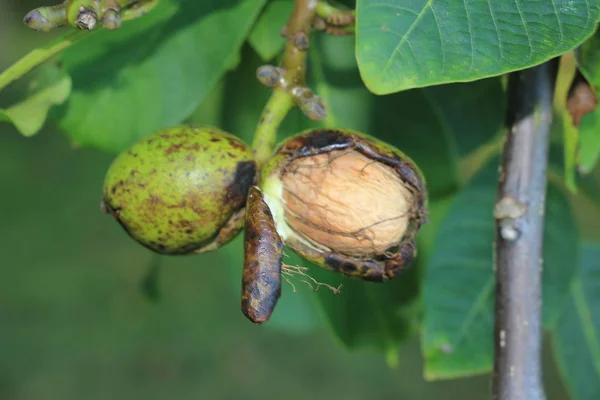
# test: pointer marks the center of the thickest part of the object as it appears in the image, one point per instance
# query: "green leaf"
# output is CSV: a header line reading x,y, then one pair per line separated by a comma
x,y
576,341
152,72
589,140
371,315
28,116
472,112
403,45
561,253
39,56
265,37
459,283
588,189
588,62
571,142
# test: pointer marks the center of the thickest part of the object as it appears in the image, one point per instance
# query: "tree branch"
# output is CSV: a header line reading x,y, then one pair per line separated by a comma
x,y
519,214
288,81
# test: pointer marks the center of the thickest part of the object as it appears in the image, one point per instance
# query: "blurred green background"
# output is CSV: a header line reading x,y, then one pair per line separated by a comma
x,y
74,322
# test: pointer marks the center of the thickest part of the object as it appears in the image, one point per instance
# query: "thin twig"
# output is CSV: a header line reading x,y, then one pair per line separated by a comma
x,y
519,216
288,80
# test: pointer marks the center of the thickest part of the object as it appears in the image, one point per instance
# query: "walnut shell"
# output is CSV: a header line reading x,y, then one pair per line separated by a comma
x,y
346,201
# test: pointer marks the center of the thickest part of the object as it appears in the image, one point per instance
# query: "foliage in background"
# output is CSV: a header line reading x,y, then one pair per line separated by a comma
x,y
109,89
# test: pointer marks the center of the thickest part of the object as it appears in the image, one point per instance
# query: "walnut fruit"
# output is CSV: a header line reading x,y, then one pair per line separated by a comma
x,y
182,189
342,200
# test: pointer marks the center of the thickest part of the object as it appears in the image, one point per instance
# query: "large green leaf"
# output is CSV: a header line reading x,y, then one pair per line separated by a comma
x,y
51,88
371,315
459,283
154,71
402,45
265,37
577,337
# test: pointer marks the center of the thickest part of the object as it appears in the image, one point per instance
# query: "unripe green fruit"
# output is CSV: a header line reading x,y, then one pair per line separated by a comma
x,y
182,189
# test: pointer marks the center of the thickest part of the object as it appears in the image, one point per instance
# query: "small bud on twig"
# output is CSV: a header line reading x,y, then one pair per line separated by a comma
x,y
46,18
301,41
270,75
111,19
309,103
86,19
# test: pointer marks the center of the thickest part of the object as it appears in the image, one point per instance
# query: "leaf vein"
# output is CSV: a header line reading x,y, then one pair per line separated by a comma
x,y
479,304
525,27
405,37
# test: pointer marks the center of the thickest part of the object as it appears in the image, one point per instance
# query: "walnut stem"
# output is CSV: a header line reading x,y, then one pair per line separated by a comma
x,y
519,216
293,76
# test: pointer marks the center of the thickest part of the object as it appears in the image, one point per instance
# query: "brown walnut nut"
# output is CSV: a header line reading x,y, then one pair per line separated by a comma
x,y
345,202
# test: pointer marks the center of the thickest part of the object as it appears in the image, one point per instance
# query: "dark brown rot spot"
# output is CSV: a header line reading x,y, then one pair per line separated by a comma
x,y
409,174
333,262
349,268
382,156
363,269
316,142
405,257
244,178
236,144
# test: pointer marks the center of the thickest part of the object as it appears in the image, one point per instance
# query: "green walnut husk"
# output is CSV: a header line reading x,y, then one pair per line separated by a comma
x,y
182,189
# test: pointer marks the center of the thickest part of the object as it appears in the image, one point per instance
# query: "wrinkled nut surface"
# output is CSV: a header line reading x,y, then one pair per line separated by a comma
x,y
345,202
181,189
